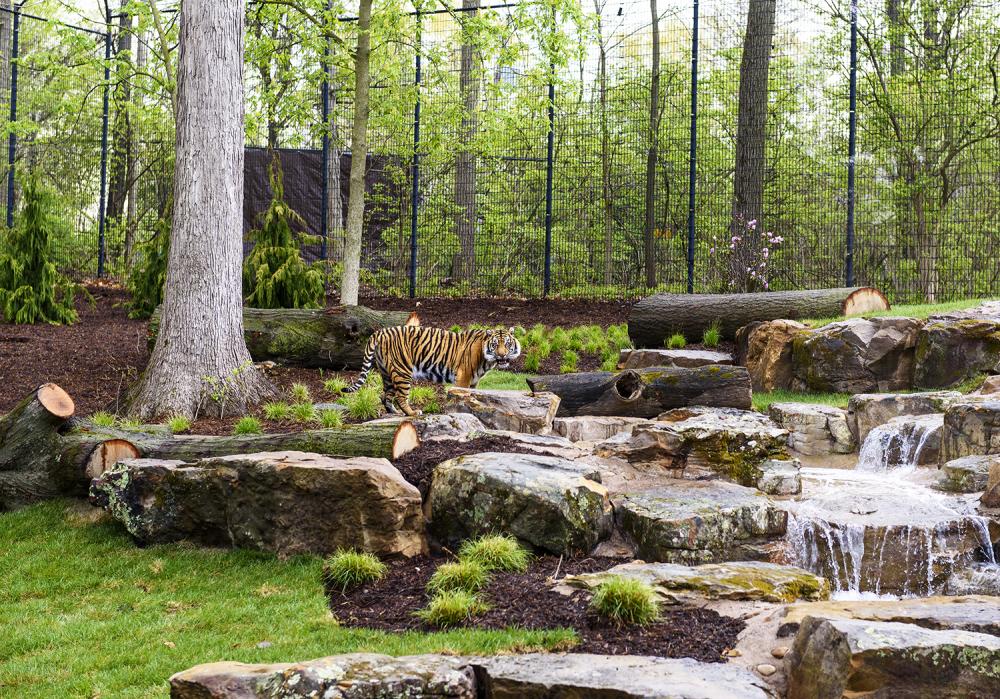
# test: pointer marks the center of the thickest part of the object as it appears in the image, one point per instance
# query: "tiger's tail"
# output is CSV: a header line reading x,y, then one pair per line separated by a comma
x,y
366,366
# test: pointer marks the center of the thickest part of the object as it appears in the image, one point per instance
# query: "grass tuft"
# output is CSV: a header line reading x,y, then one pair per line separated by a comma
x,y
467,575
762,400
334,386
570,362
365,404
103,418
711,336
299,393
330,419
277,411
178,423
247,424
304,413
496,552
675,341
626,601
347,569
453,608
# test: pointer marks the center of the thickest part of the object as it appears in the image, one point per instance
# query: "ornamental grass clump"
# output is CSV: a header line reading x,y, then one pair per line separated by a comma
x,y
468,575
711,336
496,552
248,425
277,411
625,601
346,569
363,405
451,608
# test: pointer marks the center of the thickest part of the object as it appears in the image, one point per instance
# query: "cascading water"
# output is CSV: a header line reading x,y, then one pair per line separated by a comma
x,y
902,442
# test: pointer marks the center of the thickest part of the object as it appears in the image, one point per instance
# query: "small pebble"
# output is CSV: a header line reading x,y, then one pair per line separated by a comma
x,y
733,653
780,651
766,670
264,644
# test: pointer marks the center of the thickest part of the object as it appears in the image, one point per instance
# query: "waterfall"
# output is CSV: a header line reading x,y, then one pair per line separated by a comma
x,y
899,443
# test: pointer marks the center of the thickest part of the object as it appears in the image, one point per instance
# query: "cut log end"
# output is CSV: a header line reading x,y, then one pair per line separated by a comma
x,y
413,319
107,454
865,300
405,440
56,401
628,386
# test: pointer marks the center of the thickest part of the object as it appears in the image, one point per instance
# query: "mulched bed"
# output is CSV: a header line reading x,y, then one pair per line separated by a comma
x,y
526,601
444,313
418,465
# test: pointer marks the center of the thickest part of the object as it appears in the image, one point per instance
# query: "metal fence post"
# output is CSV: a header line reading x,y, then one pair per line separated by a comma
x,y
12,139
549,162
852,143
324,204
415,174
102,204
693,153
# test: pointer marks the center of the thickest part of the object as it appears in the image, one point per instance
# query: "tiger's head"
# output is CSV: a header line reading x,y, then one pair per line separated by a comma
x,y
501,347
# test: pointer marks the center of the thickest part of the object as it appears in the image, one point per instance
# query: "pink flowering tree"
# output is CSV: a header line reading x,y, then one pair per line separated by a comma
x,y
740,264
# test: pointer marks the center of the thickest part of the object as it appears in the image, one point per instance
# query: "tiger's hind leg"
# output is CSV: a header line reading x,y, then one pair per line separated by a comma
x,y
399,381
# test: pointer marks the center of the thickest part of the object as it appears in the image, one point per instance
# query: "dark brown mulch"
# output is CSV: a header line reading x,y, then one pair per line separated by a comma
x,y
526,601
417,466
444,313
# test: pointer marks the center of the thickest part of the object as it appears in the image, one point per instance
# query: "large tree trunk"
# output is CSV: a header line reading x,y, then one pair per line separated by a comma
x,y
655,318
646,392
652,153
748,177
201,334
359,156
464,265
333,338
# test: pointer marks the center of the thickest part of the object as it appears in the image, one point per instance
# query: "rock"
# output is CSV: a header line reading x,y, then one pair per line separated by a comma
x,y
835,658
695,522
457,426
990,386
780,477
684,358
814,430
956,346
548,444
907,440
991,498
857,355
578,675
766,669
337,407
553,504
968,474
976,579
977,613
286,502
866,411
696,441
765,349
971,427
780,652
517,411
595,428
742,580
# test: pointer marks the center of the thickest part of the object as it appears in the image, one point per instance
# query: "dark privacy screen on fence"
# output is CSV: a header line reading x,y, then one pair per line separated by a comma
x,y
601,150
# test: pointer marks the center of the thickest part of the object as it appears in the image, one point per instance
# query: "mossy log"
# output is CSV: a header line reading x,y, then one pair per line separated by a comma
x,y
38,463
647,392
655,318
331,338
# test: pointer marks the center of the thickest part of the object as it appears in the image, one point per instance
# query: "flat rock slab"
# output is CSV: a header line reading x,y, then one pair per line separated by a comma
x,y
814,430
286,502
517,411
969,474
738,580
548,444
832,658
780,477
694,522
530,676
971,427
459,426
595,428
978,613
553,504
686,359
866,411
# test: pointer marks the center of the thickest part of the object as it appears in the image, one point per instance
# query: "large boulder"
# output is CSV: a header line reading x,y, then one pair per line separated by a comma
x,y
684,358
553,504
517,411
857,355
595,428
833,658
738,580
866,411
991,496
693,522
969,474
695,441
287,502
814,430
978,613
971,427
955,346
765,349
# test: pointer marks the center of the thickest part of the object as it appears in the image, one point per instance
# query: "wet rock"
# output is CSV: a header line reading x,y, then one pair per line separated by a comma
x,y
738,580
976,579
991,498
866,411
977,613
684,358
968,474
971,427
698,441
286,502
693,522
551,503
835,658
517,411
907,440
595,428
856,355
780,477
765,349
814,430
956,346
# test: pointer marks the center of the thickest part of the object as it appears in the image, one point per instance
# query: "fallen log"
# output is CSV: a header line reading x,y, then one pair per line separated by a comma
x,y
38,463
646,392
655,318
330,338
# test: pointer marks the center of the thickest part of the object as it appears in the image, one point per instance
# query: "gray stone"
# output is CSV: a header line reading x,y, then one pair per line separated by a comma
x,y
548,444
968,474
971,427
978,613
866,411
955,346
765,349
595,428
287,502
835,658
976,579
991,498
990,386
337,407
517,411
684,358
814,430
451,426
551,503
695,522
780,477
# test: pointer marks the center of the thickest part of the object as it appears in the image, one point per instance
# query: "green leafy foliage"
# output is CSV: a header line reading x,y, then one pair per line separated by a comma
x,y
149,272
347,569
466,575
496,552
299,393
452,608
626,601
570,361
304,412
334,386
247,424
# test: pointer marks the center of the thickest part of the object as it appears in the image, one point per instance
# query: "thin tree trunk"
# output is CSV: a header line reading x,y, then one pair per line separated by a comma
x,y
200,358
120,155
132,223
464,266
607,205
359,156
335,201
652,153
6,38
897,46
748,178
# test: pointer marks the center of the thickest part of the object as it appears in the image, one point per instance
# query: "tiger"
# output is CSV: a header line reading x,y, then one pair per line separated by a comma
x,y
405,353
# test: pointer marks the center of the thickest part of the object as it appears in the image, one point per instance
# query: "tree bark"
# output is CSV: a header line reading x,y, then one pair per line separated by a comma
x,y
655,318
335,202
359,155
201,334
608,206
122,137
652,153
748,177
6,39
464,265
647,392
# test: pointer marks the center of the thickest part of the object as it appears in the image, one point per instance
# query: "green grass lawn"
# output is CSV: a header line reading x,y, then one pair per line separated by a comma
x,y
762,401
86,613
919,310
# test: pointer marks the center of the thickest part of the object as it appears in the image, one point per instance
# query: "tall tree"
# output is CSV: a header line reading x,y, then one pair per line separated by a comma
x,y
607,202
121,148
652,153
6,36
359,156
200,359
334,198
748,176
464,266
